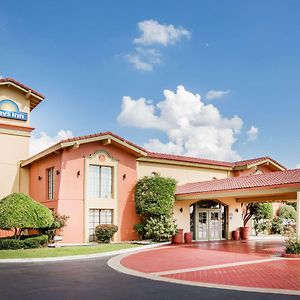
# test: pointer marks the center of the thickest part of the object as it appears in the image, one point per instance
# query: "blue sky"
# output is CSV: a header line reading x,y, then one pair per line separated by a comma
x,y
78,54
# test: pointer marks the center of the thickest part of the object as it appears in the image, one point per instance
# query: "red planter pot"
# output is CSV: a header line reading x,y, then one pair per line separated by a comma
x,y
188,237
178,237
290,255
235,235
245,232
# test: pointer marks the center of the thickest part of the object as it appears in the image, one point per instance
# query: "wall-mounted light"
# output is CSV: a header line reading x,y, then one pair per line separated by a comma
x,y
124,176
57,172
181,209
78,173
236,210
40,177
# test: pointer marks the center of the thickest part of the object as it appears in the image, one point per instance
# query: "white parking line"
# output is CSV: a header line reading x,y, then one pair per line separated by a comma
x,y
217,266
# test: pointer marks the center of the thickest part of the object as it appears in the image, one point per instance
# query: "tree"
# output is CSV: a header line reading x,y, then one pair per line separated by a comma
x,y
248,211
18,211
155,196
154,202
259,210
287,212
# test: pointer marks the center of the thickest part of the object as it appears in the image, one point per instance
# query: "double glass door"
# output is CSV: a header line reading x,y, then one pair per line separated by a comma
x,y
209,225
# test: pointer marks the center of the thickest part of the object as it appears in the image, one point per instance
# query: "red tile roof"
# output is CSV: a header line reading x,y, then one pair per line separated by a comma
x,y
189,159
171,157
196,160
21,85
102,134
243,182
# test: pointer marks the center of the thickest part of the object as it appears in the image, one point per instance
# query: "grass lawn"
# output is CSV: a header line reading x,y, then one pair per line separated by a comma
x,y
63,251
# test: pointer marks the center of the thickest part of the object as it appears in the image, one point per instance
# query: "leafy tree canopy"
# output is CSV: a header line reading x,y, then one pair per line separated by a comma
x,y
154,196
20,212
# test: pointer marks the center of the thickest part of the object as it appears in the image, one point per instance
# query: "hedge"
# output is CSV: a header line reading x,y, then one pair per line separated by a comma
x,y
104,232
25,242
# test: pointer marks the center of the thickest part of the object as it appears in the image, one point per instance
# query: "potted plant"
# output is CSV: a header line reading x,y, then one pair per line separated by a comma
x,y
249,210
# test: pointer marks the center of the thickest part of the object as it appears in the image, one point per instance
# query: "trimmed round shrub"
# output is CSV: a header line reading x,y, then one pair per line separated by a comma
x,y
25,242
155,196
287,212
160,229
104,232
18,211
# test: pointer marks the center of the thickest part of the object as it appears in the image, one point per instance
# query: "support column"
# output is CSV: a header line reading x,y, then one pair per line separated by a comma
x,y
298,215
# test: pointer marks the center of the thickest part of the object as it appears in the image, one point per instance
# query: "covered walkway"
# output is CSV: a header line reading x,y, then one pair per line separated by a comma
x,y
235,192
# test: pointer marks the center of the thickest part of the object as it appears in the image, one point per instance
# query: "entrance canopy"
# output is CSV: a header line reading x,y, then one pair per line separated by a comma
x,y
270,187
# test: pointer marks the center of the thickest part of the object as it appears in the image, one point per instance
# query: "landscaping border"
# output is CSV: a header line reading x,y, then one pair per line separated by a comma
x,y
84,256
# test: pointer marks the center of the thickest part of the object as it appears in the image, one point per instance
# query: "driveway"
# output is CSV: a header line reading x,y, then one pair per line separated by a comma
x,y
94,279
243,265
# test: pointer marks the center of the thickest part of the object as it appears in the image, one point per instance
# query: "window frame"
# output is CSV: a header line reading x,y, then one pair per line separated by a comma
x,y
94,223
50,183
100,167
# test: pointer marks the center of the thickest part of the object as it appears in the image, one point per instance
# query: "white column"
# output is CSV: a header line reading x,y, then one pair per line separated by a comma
x,y
298,215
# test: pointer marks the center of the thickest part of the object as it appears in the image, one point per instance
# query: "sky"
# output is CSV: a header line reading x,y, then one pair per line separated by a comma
x,y
216,79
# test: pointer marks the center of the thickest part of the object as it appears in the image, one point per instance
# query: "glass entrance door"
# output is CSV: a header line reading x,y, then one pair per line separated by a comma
x,y
209,225
203,225
214,225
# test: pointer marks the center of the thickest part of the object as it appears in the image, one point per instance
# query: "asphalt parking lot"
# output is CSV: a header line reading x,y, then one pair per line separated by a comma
x,y
93,279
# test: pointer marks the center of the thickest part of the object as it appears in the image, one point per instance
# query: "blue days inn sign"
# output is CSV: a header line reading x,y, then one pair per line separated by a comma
x,y
9,109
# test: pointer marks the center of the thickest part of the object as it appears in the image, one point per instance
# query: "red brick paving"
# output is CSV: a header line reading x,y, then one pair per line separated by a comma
x,y
276,274
282,274
196,255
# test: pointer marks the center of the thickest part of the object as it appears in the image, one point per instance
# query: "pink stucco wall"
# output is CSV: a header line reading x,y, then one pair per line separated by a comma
x,y
69,188
247,172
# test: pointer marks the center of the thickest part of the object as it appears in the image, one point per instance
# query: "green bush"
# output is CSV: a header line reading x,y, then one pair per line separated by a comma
x,y
18,211
292,243
263,210
160,229
277,226
140,229
25,242
104,232
261,226
287,212
155,196
59,222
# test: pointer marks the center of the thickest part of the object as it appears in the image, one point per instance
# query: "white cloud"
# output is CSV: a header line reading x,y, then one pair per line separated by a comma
x,y
213,94
154,33
252,133
144,59
192,127
44,141
298,166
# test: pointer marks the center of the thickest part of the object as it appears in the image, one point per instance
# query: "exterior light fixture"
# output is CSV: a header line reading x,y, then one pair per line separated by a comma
x,y
78,173
124,176
57,172
181,209
40,177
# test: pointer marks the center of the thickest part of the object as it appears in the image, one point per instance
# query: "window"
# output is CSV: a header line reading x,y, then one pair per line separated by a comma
x,y
100,181
96,217
50,181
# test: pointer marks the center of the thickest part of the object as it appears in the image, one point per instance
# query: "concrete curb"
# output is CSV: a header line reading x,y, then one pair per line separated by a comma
x,y
78,257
